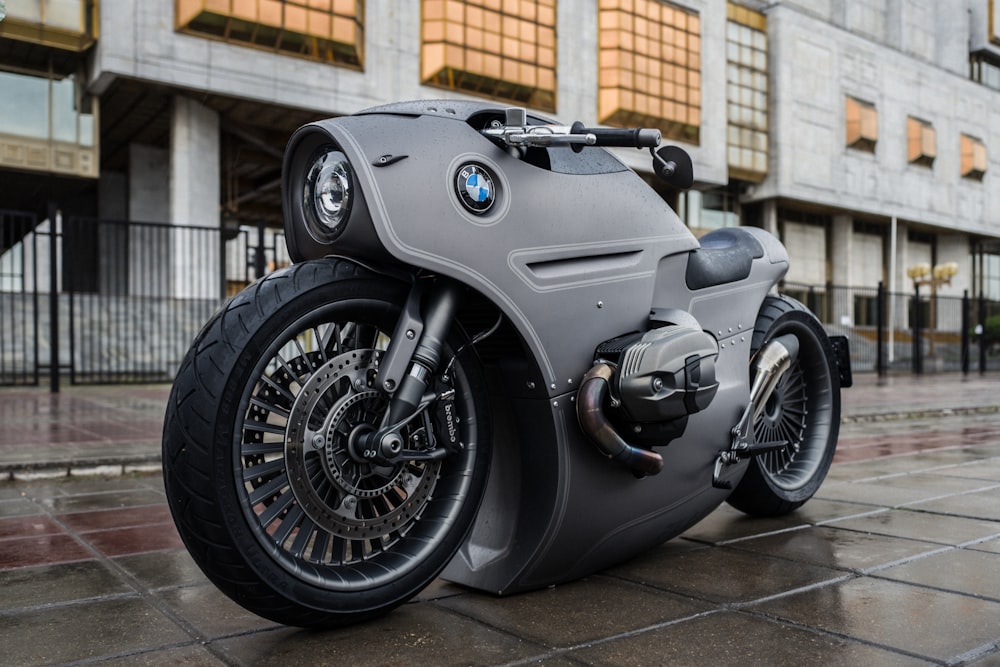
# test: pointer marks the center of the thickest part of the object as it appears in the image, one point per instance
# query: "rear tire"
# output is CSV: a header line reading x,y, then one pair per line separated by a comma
x,y
804,410
260,453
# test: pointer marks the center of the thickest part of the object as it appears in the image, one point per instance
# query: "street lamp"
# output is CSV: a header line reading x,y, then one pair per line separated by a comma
x,y
923,274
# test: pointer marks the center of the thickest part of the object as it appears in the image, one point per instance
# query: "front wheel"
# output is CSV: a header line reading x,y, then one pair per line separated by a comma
x,y
263,469
803,410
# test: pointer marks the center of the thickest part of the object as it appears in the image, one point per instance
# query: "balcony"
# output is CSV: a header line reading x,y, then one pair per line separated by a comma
x,y
323,30
69,25
48,124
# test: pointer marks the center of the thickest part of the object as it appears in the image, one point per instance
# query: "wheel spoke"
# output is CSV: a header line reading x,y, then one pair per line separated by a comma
x,y
261,448
268,490
264,471
266,379
275,509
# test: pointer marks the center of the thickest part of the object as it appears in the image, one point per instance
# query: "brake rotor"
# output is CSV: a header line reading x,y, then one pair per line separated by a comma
x,y
352,498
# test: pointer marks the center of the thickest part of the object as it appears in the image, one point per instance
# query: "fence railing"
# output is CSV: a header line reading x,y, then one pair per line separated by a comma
x,y
101,301
106,301
903,332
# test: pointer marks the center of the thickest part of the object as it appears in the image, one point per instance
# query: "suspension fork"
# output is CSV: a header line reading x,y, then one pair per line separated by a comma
x,y
414,352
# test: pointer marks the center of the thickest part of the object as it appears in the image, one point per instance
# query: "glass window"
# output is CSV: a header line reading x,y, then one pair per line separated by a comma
x,y
650,67
861,123
63,24
66,14
37,110
504,49
64,110
24,106
921,142
26,10
983,69
324,30
973,157
746,91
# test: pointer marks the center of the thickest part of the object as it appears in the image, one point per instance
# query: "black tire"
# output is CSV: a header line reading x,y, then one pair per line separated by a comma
x,y
804,409
258,477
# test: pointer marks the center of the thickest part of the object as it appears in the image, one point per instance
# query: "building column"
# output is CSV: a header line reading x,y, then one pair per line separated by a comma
x,y
903,285
147,247
770,216
954,247
842,270
195,186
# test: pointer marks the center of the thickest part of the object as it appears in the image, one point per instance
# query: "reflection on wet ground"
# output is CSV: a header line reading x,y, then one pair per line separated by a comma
x,y
895,561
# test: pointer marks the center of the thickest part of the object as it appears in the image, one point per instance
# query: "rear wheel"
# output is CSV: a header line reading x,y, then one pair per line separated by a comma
x,y
803,410
262,452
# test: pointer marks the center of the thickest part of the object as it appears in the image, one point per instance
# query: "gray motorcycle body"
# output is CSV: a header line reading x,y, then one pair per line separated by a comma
x,y
573,253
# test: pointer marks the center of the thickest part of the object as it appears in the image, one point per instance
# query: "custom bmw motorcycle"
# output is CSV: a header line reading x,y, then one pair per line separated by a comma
x,y
499,358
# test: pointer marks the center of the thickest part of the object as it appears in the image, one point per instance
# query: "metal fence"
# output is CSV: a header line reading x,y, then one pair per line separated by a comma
x,y
892,332
100,301
19,302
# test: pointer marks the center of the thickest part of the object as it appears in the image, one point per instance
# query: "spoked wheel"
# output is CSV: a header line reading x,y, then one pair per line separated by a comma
x,y
265,458
803,410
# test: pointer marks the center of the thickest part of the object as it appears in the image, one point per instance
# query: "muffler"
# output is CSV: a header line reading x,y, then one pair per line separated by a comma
x,y
770,365
593,421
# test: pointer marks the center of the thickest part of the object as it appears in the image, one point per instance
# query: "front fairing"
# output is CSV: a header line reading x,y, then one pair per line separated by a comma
x,y
558,252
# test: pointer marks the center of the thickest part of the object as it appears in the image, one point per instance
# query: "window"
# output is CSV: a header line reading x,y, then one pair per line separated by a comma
x,y
63,24
48,123
973,157
504,49
650,67
746,92
921,140
861,123
983,69
324,30
711,209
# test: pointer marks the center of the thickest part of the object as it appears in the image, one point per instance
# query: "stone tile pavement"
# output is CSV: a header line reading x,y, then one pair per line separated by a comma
x,y
896,560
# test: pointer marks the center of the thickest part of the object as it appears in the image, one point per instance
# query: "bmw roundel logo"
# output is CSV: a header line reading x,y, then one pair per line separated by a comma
x,y
475,187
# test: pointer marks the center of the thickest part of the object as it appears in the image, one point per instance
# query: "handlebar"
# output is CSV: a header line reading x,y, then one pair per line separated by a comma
x,y
636,137
515,132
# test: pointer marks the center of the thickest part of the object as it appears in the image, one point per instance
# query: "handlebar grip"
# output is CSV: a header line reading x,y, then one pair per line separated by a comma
x,y
638,137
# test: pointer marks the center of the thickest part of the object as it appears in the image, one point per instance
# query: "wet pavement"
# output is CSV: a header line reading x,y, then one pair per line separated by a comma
x,y
895,561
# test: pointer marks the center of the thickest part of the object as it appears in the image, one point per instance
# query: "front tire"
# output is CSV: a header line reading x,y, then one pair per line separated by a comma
x,y
804,409
261,463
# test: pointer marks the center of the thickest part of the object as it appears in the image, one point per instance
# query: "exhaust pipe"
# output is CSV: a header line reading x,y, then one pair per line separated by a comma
x,y
770,364
590,413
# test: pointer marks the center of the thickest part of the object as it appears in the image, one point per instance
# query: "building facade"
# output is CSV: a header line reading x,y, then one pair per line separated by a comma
x,y
865,134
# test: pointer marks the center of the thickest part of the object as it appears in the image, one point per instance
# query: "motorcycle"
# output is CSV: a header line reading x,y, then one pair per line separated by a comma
x,y
498,357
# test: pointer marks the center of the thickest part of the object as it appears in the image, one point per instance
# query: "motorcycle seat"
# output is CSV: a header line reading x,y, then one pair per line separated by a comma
x,y
725,256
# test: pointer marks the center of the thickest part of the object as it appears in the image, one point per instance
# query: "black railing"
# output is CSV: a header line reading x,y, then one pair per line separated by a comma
x,y
102,301
105,301
20,360
916,332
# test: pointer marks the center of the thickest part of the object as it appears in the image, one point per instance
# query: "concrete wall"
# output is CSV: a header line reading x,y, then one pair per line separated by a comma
x,y
815,64
138,40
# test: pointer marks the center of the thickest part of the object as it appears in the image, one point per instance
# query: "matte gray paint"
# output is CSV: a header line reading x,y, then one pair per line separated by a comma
x,y
572,260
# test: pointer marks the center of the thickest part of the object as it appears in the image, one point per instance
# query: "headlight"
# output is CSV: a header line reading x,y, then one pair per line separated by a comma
x,y
327,194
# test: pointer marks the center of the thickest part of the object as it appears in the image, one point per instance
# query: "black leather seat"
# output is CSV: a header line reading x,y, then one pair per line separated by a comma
x,y
725,256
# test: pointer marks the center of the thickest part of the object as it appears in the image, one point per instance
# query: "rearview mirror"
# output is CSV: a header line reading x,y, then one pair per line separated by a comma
x,y
673,166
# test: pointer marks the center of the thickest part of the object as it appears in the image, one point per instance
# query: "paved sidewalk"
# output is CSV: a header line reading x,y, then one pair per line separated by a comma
x,y
896,560
117,428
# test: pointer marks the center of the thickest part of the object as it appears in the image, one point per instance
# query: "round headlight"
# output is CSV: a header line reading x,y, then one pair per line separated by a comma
x,y
327,195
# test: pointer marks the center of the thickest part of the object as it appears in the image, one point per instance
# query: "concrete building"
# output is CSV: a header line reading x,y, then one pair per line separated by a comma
x,y
866,134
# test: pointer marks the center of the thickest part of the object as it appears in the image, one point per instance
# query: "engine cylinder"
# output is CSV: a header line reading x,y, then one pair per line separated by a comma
x,y
667,374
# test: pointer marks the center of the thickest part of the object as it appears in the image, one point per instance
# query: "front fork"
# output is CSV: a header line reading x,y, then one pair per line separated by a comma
x,y
413,356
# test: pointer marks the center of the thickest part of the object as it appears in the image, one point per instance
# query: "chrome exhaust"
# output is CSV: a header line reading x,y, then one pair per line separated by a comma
x,y
593,421
770,364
